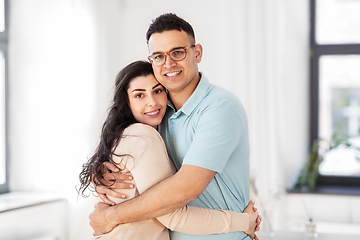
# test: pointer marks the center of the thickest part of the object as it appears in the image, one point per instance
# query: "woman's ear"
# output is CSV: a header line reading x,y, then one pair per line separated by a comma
x,y
198,52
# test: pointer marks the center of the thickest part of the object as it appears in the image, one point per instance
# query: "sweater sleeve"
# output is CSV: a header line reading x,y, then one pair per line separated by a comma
x,y
150,164
202,221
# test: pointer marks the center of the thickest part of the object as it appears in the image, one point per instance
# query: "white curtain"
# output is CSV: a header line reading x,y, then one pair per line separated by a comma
x,y
278,97
267,95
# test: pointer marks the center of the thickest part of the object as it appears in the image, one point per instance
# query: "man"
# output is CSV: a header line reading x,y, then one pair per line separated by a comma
x,y
206,133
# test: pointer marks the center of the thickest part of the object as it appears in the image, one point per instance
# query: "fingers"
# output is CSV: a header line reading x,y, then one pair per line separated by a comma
x,y
118,184
106,200
258,222
254,237
102,190
111,167
251,203
257,226
111,176
118,181
122,185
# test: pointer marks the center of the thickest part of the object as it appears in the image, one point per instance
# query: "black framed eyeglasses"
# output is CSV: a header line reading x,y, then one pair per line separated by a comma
x,y
177,54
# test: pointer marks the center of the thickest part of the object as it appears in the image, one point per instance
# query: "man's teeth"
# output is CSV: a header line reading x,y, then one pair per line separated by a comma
x,y
172,74
153,113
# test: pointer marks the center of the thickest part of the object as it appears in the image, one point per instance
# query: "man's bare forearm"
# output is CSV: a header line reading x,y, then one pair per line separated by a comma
x,y
165,197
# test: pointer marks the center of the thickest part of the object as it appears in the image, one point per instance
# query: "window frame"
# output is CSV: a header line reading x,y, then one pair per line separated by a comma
x,y
318,50
4,188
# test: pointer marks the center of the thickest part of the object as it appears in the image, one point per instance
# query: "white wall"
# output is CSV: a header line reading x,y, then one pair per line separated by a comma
x,y
40,222
53,99
64,55
331,213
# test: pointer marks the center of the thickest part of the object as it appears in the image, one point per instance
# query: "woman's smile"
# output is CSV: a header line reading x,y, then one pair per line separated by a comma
x,y
153,113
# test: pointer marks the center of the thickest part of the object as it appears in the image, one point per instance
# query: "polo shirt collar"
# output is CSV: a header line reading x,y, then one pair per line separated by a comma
x,y
195,98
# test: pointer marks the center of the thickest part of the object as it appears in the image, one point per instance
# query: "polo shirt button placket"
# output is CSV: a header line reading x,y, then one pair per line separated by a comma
x,y
171,124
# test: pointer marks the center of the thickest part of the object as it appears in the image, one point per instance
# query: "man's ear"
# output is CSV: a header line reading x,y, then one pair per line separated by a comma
x,y
198,52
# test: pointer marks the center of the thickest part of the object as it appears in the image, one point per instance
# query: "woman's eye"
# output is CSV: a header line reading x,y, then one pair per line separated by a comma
x,y
140,95
157,91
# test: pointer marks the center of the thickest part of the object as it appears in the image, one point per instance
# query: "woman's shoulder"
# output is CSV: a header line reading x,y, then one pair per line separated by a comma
x,y
139,129
137,138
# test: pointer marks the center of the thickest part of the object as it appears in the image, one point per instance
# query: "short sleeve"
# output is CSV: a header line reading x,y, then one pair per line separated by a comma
x,y
218,132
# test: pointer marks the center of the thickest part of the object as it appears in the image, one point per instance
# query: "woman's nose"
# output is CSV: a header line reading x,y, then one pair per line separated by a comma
x,y
150,101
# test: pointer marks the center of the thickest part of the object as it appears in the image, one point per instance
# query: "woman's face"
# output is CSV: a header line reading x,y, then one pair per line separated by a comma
x,y
147,100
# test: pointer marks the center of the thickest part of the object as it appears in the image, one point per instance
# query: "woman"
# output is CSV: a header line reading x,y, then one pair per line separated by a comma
x,y
129,139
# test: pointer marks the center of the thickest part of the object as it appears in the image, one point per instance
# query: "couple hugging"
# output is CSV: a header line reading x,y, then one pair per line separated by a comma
x,y
174,150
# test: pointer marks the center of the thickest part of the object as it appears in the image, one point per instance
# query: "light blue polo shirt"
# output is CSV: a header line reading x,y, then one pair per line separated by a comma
x,y
211,131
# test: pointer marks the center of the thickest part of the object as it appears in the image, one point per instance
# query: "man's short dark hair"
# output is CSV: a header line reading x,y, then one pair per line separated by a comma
x,y
167,22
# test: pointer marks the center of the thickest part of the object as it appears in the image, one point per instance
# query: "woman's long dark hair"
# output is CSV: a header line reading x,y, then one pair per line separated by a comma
x,y
118,118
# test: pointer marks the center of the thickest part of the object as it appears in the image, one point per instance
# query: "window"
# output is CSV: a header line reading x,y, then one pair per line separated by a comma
x,y
335,87
3,109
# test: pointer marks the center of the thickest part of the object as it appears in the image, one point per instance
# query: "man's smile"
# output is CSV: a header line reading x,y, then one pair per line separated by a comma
x,y
172,74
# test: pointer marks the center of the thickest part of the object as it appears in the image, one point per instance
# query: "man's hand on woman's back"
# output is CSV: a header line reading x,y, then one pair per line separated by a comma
x,y
112,174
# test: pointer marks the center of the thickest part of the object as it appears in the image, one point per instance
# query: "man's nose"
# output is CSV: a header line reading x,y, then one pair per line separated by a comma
x,y
168,61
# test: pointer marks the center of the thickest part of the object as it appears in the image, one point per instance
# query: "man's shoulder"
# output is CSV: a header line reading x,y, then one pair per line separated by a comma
x,y
218,102
217,95
216,90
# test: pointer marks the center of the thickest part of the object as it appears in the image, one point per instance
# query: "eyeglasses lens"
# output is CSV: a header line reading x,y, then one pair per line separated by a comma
x,y
178,54
175,55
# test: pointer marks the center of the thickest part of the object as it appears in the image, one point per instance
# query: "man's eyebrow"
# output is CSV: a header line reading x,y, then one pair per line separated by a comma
x,y
169,51
156,85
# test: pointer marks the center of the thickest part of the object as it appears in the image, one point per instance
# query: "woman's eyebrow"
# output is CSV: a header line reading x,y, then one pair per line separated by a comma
x,y
156,85
138,89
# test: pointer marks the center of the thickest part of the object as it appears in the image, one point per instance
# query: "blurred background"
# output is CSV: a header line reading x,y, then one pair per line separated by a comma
x,y
59,61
